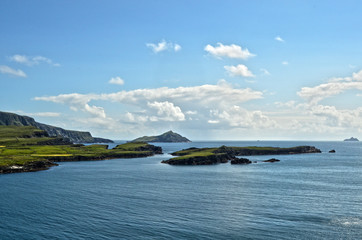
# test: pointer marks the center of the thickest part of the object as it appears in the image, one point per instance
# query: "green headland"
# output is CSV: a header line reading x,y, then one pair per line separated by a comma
x,y
26,148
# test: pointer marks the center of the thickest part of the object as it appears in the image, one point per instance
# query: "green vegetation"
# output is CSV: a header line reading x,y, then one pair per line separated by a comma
x,y
21,146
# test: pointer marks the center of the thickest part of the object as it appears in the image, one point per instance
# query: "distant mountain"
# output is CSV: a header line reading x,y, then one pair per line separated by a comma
x,y
352,139
74,136
166,137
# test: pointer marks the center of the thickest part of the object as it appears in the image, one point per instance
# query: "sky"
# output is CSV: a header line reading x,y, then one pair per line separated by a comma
x,y
209,70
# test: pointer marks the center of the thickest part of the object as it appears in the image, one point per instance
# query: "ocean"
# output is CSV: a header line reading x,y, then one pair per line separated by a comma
x,y
306,196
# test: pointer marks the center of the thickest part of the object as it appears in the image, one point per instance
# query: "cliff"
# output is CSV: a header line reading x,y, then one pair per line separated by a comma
x,y
8,119
165,137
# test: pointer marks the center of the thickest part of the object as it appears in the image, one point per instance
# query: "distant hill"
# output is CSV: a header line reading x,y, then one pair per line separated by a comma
x,y
8,119
166,137
352,139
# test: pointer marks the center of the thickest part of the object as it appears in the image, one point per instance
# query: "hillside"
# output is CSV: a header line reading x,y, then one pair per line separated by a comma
x,y
165,137
8,119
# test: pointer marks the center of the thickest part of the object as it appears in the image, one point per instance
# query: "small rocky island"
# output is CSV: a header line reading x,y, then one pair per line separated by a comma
x,y
28,149
165,137
351,139
223,154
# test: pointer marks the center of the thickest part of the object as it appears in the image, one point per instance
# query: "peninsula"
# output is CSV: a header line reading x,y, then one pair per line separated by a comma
x,y
12,119
208,156
27,149
165,137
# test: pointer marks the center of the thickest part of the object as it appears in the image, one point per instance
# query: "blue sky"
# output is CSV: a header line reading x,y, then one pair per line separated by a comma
x,y
236,70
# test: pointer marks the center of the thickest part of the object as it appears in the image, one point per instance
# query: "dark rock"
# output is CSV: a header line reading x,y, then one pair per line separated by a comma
x,y
272,160
332,151
240,161
28,167
200,160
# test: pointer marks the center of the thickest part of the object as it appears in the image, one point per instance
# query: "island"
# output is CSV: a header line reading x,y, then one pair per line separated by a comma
x,y
208,156
165,137
351,139
27,149
12,119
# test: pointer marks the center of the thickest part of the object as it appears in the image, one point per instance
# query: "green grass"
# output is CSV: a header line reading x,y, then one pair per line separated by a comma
x,y
131,146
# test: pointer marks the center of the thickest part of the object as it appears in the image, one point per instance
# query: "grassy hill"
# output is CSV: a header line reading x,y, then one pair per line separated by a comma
x,y
165,137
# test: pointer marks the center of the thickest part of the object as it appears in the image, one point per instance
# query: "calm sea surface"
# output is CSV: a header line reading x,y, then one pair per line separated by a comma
x,y
309,196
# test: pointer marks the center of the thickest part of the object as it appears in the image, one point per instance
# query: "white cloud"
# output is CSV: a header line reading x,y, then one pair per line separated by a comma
x,y
167,111
236,116
279,39
191,112
163,46
116,80
8,70
177,47
77,102
335,86
230,51
213,121
285,63
30,61
264,71
239,70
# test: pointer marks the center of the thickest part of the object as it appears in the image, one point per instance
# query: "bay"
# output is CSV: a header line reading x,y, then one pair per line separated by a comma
x,y
307,196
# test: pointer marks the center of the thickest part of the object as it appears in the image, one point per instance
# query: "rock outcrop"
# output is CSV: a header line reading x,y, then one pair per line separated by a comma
x,y
240,161
272,160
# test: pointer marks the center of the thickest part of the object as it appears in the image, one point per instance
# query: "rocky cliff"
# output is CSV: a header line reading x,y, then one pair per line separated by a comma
x,y
74,136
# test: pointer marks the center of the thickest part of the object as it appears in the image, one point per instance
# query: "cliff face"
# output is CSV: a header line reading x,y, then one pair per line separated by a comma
x,y
74,136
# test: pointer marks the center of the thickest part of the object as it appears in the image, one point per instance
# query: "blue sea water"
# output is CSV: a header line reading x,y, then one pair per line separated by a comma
x,y
307,196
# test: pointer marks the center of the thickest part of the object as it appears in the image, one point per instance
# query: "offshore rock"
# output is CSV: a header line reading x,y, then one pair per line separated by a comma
x,y
272,160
